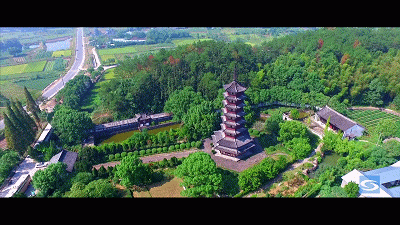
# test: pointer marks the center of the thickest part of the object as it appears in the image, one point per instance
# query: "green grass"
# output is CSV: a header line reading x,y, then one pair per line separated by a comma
x,y
118,53
62,53
23,68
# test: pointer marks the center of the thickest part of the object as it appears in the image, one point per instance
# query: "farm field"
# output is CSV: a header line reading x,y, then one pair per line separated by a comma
x,y
118,53
370,118
23,68
188,41
62,53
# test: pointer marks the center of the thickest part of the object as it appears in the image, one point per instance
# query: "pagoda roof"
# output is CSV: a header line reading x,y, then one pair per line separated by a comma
x,y
239,144
233,106
234,87
234,98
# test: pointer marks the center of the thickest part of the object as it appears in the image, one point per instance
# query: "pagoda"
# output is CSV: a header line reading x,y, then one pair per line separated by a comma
x,y
233,140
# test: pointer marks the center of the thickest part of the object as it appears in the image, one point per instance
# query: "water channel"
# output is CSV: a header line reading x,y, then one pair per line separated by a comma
x,y
123,136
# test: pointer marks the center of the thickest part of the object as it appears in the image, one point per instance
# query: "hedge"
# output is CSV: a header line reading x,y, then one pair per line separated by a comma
x,y
156,150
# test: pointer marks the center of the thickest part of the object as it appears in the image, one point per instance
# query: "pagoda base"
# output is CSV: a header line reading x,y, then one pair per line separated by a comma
x,y
226,156
246,154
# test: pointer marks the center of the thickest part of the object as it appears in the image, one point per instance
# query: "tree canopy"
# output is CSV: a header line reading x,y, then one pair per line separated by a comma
x,y
200,176
71,126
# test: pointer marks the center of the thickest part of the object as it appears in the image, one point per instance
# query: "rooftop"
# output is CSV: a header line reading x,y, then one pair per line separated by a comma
x,y
338,120
234,87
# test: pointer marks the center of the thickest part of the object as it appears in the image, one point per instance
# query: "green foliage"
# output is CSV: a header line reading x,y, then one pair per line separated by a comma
x,y
272,123
253,177
50,179
74,91
200,176
180,101
7,161
71,126
292,129
200,121
351,189
132,171
101,188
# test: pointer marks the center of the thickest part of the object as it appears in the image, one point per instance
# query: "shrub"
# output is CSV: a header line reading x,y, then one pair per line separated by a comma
x,y
148,151
182,146
123,154
142,152
117,155
187,145
171,148
154,151
193,144
198,144
130,153
177,147
136,153
111,157
165,149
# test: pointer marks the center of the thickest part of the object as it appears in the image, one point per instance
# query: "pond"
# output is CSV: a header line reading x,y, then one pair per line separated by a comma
x,y
59,45
56,46
123,136
330,159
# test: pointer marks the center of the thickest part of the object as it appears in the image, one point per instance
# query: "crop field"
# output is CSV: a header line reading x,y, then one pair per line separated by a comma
x,y
23,68
62,53
370,118
118,53
188,41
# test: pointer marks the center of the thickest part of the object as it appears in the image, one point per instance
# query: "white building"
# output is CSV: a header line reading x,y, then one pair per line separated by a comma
x,y
389,177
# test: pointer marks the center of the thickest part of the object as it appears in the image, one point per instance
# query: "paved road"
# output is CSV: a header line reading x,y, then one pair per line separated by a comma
x,y
76,67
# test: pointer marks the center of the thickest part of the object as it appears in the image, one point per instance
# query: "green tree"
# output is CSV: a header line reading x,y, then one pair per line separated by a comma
x,y
180,101
292,129
299,147
50,179
351,189
209,85
132,171
71,126
31,105
200,176
272,123
200,121
101,188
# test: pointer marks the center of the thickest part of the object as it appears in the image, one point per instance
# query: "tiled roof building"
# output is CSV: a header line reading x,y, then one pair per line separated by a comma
x,y
233,139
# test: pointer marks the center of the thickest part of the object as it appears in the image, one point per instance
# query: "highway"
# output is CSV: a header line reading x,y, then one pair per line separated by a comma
x,y
76,67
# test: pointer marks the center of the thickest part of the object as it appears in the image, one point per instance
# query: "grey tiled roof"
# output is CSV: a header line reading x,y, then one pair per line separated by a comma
x,y
66,157
234,87
337,119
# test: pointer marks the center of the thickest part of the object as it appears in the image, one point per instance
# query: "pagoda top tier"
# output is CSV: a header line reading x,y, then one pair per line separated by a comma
x,y
234,87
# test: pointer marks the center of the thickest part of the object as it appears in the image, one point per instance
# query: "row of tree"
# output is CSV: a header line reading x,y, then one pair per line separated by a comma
x,y
20,129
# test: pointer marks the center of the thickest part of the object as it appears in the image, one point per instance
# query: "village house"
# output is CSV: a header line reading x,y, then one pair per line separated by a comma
x,y
338,122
